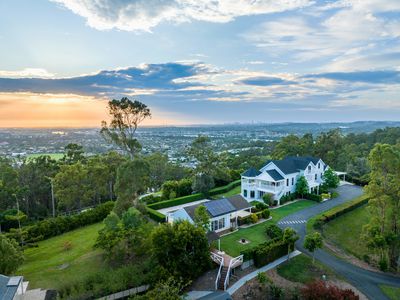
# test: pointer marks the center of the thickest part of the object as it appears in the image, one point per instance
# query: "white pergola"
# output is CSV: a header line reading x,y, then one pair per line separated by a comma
x,y
338,173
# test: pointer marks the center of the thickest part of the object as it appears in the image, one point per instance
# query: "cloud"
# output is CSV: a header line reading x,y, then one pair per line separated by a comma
x,y
265,81
27,73
143,15
333,34
180,84
387,77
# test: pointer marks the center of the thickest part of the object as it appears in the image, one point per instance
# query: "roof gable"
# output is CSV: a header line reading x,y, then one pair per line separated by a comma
x,y
252,172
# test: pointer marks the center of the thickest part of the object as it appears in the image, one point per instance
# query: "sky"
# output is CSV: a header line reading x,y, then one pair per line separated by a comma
x,y
199,62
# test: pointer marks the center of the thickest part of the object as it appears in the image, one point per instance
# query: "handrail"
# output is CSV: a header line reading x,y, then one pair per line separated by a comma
x,y
231,264
215,257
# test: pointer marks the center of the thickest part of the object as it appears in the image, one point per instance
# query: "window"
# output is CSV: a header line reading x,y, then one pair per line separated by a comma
x,y
315,176
309,169
319,165
252,194
287,182
218,224
245,193
292,180
221,223
261,194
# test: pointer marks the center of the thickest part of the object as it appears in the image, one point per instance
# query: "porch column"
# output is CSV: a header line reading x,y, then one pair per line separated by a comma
x,y
219,244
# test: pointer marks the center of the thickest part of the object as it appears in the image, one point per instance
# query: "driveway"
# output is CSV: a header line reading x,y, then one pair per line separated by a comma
x,y
366,281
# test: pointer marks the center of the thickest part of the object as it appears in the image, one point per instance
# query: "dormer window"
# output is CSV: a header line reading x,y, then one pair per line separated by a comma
x,y
309,169
319,165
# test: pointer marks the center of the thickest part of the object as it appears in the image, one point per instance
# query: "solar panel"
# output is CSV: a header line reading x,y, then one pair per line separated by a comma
x,y
219,207
14,281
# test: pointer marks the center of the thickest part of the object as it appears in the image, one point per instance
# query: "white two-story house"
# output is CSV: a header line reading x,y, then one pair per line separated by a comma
x,y
279,177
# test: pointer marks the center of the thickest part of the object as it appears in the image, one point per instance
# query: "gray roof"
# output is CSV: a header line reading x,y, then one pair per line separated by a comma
x,y
220,207
275,175
251,173
239,202
293,164
8,288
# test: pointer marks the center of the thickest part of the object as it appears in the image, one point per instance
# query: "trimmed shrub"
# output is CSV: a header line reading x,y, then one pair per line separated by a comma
x,y
254,218
155,215
265,213
267,252
259,206
313,197
149,199
55,226
273,231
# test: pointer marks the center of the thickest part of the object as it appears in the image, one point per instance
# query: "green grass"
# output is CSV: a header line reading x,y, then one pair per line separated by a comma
x,y
41,266
391,291
311,221
230,193
345,231
301,269
56,156
256,234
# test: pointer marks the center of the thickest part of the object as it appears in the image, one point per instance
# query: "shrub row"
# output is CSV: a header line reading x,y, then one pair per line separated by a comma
x,y
176,201
155,215
338,211
224,189
313,197
254,217
358,181
266,253
55,226
193,197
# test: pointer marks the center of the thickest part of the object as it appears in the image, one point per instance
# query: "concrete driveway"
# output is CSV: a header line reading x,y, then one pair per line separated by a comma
x,y
366,281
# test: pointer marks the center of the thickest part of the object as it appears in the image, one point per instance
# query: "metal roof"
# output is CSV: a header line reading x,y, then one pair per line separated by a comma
x,y
219,207
9,286
293,164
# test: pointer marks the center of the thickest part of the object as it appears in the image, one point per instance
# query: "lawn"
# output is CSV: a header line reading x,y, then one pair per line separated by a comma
x,y
301,269
345,231
50,266
256,234
391,291
230,193
56,156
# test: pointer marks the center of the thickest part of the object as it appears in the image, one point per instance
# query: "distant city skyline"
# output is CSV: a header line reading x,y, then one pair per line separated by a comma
x,y
199,62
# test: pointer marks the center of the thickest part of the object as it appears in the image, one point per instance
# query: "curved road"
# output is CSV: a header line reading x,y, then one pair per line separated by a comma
x,y
365,281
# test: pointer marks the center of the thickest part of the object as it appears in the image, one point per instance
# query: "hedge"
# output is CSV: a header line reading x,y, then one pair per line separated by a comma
x,y
338,211
266,253
224,189
155,215
264,214
176,201
55,226
193,197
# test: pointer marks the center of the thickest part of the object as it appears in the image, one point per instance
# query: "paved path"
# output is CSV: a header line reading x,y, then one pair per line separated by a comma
x,y
238,284
366,281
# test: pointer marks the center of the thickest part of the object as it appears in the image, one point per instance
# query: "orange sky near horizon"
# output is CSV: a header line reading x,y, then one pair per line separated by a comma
x,y
30,110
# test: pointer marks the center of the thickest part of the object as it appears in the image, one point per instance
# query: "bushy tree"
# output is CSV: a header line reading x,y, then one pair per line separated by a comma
x,y
268,199
132,180
290,237
11,256
73,153
203,183
202,218
331,180
180,249
71,186
312,242
302,186
170,289
383,230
